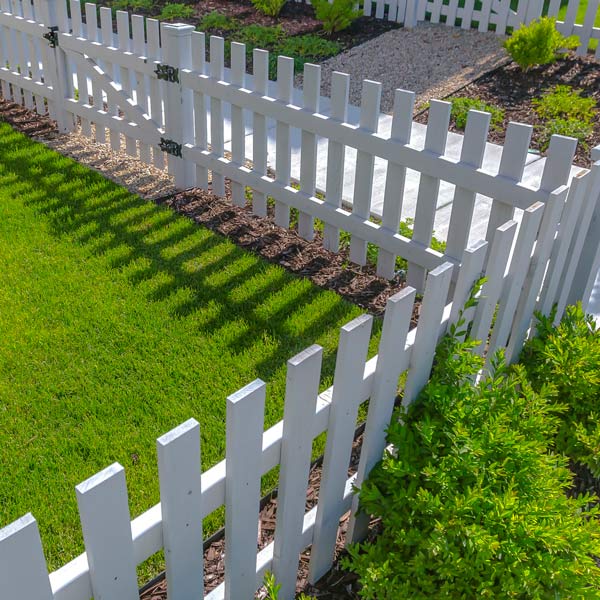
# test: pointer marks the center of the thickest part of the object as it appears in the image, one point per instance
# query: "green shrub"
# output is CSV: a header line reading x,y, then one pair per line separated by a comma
x,y
176,11
564,102
272,589
471,502
307,48
257,36
462,106
336,16
271,8
538,43
566,359
216,20
132,5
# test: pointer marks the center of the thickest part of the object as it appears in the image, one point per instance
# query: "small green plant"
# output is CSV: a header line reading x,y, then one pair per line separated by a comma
x,y
218,21
271,8
272,589
257,36
472,502
565,112
146,5
538,43
564,102
308,48
176,11
337,15
461,107
566,359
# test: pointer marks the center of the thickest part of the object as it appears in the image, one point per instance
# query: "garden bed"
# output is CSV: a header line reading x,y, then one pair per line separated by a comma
x,y
513,91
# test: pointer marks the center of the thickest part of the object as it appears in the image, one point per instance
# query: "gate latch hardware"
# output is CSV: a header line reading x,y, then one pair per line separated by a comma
x,y
52,36
167,73
170,147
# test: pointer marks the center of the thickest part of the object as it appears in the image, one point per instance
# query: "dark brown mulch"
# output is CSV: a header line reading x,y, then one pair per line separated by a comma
x,y
337,584
326,269
513,90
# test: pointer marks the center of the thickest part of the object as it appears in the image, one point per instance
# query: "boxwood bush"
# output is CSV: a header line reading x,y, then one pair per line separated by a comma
x,y
565,360
471,500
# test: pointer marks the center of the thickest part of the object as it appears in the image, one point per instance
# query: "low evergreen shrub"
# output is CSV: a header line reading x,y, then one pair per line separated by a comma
x,y
538,43
566,361
271,8
471,499
176,12
461,107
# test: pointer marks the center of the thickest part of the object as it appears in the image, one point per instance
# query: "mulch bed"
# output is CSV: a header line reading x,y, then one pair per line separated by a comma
x,y
513,90
337,584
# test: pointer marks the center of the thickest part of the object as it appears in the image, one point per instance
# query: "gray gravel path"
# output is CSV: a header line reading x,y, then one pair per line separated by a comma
x,y
430,60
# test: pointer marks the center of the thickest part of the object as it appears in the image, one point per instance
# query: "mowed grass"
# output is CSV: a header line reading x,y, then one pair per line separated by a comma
x,y
118,321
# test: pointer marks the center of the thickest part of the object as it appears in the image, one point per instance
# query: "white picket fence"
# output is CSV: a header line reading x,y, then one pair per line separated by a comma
x,y
534,275
122,96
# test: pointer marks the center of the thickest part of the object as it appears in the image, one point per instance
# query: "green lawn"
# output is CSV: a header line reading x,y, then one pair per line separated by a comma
x,y
118,321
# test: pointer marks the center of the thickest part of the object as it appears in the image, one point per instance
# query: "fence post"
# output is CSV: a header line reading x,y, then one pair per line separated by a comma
x,y
179,126
62,85
23,569
584,277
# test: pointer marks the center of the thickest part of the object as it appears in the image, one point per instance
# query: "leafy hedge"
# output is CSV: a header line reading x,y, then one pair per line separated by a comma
x,y
472,500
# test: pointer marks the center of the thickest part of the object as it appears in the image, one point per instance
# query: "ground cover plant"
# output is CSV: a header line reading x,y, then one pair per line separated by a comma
x,y
119,321
472,500
461,107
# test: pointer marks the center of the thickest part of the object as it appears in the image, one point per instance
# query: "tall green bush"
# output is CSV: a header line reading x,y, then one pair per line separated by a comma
x,y
538,43
566,360
471,501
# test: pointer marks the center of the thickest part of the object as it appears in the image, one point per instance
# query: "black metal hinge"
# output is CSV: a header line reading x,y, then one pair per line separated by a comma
x,y
52,36
170,147
167,73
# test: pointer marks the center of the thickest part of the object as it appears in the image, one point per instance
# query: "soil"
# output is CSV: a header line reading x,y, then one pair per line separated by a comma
x,y
513,90
337,584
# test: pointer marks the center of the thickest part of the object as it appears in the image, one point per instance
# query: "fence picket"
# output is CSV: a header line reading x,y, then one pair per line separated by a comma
x,y
245,416
512,166
82,82
91,24
308,149
436,287
463,203
492,288
392,361
217,141
537,268
180,500
515,278
471,269
106,526
238,132
302,389
467,15
156,87
283,148
352,352
336,153
141,81
32,50
23,570
260,63
5,54
200,116
106,29
435,142
395,178
363,173
16,93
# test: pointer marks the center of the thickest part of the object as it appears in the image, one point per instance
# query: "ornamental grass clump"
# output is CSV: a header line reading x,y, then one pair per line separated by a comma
x,y
471,499
565,360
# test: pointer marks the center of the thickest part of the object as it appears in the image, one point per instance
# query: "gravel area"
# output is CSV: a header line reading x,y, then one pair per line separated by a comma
x,y
431,60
